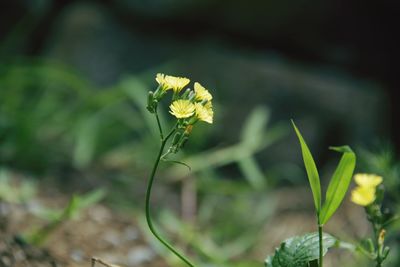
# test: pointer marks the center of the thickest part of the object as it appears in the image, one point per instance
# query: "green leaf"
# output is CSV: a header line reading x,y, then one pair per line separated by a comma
x,y
339,183
312,172
254,126
91,198
298,251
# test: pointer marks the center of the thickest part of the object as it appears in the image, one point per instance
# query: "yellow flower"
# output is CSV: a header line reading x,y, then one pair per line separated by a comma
x,y
182,108
367,180
201,92
364,193
363,196
204,113
160,78
171,82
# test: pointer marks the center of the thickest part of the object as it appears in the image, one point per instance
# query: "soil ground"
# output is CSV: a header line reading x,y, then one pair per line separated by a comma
x,y
98,232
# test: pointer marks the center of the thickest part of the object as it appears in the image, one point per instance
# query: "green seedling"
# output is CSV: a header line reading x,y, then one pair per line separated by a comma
x,y
76,205
335,193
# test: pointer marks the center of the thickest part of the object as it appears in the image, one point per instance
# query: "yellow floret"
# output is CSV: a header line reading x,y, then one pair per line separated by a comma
x,y
182,108
201,92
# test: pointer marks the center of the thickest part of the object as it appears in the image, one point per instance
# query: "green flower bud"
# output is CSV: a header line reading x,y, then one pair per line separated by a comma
x,y
151,103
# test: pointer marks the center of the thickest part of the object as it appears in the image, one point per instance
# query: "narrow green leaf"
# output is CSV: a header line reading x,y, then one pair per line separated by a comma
x,y
311,168
339,183
299,251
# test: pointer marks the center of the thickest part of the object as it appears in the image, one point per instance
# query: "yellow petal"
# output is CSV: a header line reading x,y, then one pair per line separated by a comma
x,y
368,180
363,196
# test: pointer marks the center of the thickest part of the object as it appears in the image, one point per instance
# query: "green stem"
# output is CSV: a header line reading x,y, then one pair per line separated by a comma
x,y
159,124
377,229
148,195
321,248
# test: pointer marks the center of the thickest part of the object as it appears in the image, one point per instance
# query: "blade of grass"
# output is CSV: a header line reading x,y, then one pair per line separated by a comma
x,y
311,168
339,183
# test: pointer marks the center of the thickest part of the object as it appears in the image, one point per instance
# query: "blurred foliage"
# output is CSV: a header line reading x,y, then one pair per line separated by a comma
x,y
254,137
52,119
15,192
25,191
55,218
383,161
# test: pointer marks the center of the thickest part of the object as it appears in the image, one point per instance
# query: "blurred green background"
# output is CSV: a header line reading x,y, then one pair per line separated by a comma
x,y
74,76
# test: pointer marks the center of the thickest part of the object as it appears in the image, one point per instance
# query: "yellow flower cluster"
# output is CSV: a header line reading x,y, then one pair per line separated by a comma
x,y
365,192
192,105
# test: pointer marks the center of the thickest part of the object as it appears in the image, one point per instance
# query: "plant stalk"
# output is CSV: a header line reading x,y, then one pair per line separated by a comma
x,y
148,196
321,248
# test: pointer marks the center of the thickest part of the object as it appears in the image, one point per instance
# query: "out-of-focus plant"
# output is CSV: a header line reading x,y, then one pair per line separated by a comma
x,y
383,161
55,218
369,193
47,105
15,193
25,190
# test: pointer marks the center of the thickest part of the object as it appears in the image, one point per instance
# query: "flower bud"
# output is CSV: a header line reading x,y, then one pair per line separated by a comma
x,y
385,253
185,95
381,238
151,102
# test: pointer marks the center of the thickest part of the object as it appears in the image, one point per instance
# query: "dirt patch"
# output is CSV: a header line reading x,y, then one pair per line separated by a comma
x,y
98,232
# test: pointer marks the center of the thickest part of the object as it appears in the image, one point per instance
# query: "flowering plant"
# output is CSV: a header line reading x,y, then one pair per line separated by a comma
x,y
309,249
369,194
188,107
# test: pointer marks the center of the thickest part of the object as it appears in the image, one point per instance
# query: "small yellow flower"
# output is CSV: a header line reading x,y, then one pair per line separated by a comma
x,y
182,108
363,196
367,180
201,92
160,78
171,82
204,113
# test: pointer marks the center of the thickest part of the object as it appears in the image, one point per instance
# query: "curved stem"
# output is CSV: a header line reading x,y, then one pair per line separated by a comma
x,y
148,195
